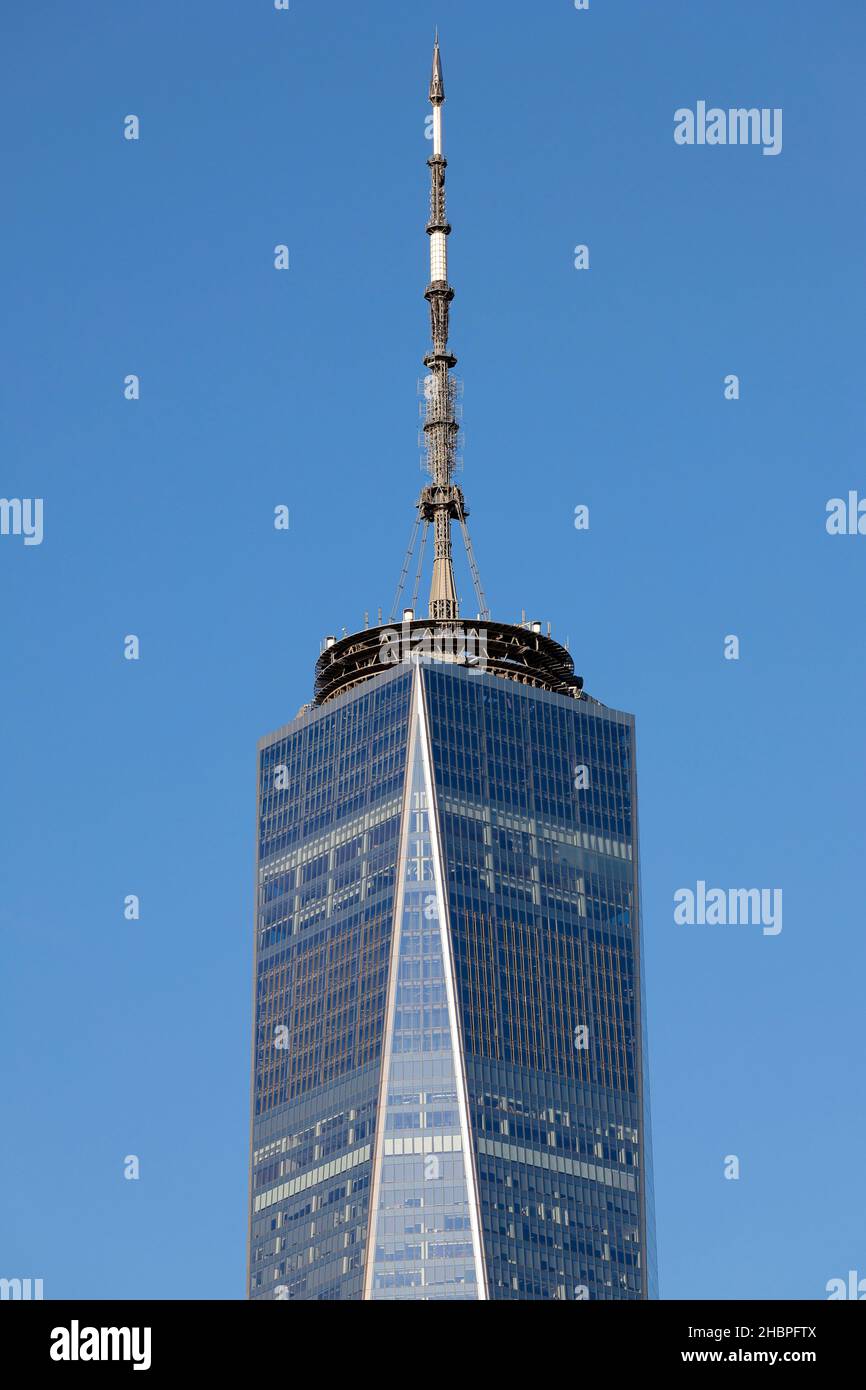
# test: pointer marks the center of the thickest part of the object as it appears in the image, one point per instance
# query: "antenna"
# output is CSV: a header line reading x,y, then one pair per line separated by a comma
x,y
441,500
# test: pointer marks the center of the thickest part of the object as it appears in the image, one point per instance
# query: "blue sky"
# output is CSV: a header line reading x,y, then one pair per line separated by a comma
x,y
602,387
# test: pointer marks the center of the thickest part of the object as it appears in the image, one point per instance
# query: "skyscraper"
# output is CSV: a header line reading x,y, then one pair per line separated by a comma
x,y
449,1094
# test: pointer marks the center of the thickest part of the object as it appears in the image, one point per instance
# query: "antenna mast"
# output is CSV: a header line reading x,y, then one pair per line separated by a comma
x,y
441,501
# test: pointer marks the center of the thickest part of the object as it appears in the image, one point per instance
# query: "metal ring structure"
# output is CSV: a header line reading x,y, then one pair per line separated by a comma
x,y
514,652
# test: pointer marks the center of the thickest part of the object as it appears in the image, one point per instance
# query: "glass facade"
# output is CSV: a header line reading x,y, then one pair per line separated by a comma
x,y
425,1239
537,800
449,1098
330,802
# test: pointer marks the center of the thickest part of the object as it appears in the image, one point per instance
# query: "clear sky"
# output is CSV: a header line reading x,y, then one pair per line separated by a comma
x,y
602,387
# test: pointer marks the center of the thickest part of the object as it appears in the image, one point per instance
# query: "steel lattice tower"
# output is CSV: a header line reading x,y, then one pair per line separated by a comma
x,y
441,501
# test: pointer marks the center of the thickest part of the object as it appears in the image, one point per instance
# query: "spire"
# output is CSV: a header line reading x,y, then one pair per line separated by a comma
x,y
437,86
441,501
